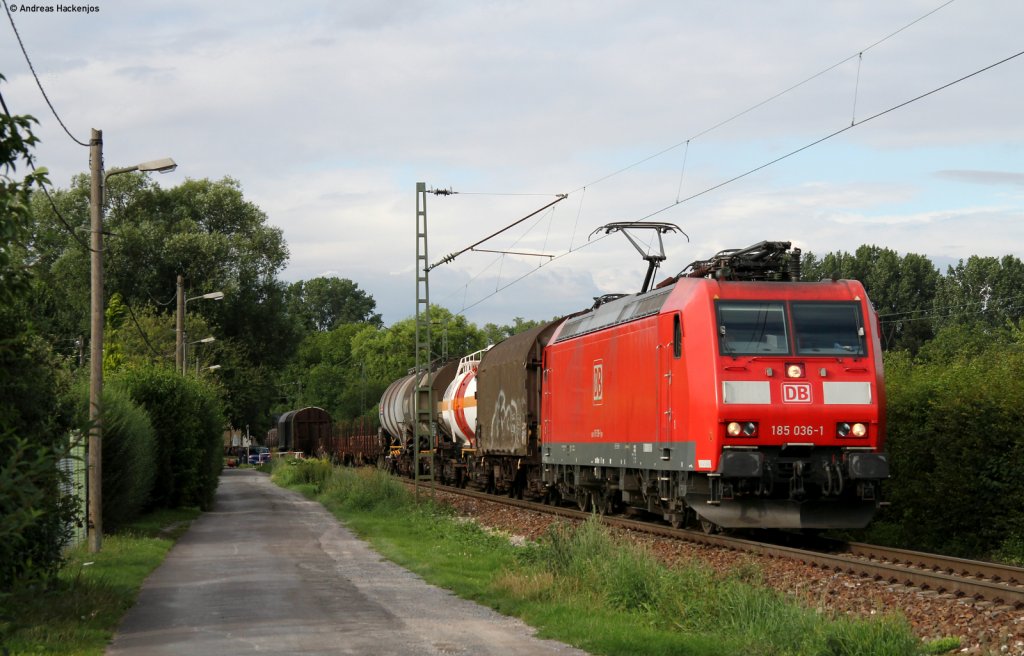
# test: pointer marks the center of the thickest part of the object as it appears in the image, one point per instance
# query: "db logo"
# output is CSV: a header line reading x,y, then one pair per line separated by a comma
x,y
598,382
796,393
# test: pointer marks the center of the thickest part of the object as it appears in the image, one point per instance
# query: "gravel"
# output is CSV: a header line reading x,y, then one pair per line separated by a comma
x,y
982,627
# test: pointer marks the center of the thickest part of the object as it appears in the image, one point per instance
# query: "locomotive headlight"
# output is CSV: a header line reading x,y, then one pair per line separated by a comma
x,y
741,429
846,429
794,371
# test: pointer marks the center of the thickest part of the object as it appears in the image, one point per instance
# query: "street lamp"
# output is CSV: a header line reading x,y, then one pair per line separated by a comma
x,y
180,362
205,340
98,178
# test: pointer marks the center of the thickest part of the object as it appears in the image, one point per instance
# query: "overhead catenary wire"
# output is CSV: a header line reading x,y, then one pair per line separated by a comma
x,y
859,55
764,102
834,134
765,165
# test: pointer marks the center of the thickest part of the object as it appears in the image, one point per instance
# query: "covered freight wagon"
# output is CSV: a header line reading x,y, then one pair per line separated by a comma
x,y
307,430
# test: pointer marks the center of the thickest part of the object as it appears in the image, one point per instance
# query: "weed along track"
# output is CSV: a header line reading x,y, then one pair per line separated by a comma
x,y
981,603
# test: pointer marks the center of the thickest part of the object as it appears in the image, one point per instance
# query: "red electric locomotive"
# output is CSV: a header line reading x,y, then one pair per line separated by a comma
x,y
731,394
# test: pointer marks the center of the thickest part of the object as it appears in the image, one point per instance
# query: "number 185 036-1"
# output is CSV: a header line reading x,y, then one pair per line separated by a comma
x,y
800,430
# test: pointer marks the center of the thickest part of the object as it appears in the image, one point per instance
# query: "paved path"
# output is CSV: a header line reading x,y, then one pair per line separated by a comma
x,y
268,571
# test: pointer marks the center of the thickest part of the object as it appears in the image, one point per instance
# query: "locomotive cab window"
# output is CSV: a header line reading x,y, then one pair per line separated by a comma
x,y
828,329
752,328
677,337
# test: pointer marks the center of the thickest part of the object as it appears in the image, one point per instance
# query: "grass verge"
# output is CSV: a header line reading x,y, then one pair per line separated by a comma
x,y
582,586
78,613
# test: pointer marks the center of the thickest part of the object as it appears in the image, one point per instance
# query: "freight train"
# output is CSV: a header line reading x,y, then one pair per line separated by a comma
x,y
732,395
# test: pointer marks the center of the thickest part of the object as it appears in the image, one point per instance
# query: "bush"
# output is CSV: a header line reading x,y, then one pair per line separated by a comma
x,y
34,518
128,455
352,489
955,441
188,419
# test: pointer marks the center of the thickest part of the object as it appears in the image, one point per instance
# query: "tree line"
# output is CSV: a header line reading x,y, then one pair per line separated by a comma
x,y
954,379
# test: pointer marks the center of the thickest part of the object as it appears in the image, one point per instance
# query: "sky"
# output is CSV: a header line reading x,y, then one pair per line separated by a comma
x,y
329,113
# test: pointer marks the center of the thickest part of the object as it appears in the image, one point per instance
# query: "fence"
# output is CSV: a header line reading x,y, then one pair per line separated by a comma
x,y
73,483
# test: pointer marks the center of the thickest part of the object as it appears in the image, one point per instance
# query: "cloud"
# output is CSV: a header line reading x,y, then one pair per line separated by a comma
x,y
329,113
1001,178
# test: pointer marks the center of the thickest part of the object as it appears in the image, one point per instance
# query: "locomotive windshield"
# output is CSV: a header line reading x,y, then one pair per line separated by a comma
x,y
763,328
828,329
746,328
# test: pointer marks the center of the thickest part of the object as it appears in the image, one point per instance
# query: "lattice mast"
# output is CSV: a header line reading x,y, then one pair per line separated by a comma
x,y
423,400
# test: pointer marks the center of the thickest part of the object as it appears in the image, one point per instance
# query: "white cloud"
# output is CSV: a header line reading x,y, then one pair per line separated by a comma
x,y
329,113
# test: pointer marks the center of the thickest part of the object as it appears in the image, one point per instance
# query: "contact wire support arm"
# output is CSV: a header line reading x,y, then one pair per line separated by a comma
x,y
451,256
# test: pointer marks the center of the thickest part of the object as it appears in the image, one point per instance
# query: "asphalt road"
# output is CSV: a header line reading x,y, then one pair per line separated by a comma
x,y
268,571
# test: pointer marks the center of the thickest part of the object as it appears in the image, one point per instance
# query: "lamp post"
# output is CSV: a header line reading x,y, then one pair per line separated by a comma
x,y
95,491
180,361
205,340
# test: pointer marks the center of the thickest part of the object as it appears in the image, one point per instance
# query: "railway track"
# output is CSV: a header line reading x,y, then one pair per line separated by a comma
x,y
966,579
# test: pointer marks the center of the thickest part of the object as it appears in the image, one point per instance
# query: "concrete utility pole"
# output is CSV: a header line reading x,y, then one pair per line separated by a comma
x,y
96,311
179,352
95,493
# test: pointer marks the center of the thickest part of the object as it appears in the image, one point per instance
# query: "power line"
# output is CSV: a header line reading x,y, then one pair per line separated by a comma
x,y
765,165
834,134
764,102
46,192
993,303
38,82
858,55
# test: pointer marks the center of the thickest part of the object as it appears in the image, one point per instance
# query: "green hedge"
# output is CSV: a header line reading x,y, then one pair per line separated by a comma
x,y
956,443
188,420
128,456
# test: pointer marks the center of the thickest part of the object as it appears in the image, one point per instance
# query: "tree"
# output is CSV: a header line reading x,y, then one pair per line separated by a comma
x,y
495,333
983,290
326,374
34,517
902,289
203,230
321,304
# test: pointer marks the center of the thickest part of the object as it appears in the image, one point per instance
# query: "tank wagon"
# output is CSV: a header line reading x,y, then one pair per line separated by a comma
x,y
731,395
398,422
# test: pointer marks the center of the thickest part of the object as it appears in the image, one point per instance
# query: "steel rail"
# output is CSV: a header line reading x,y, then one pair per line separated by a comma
x,y
977,580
